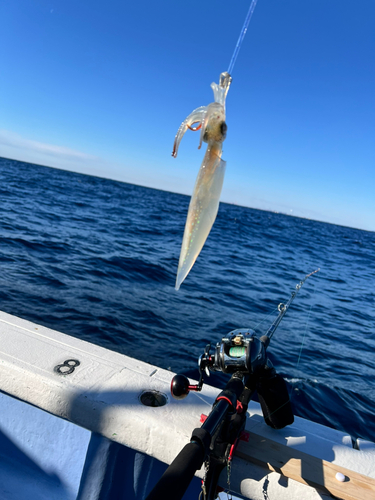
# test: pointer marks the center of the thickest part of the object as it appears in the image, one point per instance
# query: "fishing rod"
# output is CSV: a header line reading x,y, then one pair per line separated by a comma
x,y
243,355
282,308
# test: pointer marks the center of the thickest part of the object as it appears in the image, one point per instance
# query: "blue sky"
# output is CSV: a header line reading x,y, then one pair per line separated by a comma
x,y
102,87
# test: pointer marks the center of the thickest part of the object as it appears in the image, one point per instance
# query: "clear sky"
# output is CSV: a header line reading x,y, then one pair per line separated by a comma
x,y
101,87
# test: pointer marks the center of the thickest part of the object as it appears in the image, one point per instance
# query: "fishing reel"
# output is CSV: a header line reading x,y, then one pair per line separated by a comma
x,y
244,353
240,351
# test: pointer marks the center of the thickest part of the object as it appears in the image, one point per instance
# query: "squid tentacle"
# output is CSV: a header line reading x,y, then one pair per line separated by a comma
x,y
197,116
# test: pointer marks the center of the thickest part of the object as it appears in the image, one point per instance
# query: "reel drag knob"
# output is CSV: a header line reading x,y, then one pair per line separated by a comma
x,y
180,386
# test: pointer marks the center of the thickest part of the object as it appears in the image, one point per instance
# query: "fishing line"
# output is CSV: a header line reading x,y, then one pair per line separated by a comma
x,y
306,326
242,36
302,342
291,393
271,313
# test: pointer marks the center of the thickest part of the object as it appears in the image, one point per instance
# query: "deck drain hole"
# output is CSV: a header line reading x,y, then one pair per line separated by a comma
x,y
153,398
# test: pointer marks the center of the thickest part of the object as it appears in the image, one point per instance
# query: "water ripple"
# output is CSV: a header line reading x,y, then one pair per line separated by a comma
x,y
97,259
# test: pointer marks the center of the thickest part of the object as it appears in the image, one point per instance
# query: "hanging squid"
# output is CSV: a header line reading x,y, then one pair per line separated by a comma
x,y
204,203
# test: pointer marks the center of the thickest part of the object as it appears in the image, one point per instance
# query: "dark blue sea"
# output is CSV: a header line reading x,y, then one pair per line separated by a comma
x,y
97,259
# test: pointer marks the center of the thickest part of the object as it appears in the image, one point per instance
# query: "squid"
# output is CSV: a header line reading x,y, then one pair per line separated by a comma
x,y
204,203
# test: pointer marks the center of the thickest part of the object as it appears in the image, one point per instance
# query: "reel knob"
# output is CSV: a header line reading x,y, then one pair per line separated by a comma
x,y
180,386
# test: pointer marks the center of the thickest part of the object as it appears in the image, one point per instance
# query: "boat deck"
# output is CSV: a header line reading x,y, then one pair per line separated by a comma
x,y
73,414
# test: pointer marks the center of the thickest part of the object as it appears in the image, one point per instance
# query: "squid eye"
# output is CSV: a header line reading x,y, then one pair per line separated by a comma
x,y
223,128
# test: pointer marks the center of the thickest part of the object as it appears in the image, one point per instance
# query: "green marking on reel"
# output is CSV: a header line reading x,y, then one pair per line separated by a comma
x,y
237,352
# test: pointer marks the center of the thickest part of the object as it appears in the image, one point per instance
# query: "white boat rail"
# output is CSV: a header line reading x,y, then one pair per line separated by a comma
x,y
87,429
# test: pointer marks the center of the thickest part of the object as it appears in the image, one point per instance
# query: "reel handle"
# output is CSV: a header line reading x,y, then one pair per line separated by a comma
x,y
180,387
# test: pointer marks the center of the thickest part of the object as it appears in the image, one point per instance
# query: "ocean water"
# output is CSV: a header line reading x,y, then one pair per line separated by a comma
x,y
97,259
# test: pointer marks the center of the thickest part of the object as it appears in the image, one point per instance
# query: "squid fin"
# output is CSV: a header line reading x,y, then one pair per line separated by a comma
x,y
203,208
